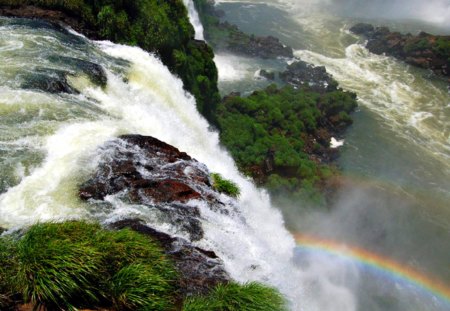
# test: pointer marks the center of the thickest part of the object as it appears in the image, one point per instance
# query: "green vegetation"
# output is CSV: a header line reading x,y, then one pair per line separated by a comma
x,y
273,133
416,44
158,26
235,297
225,186
77,264
442,46
8,268
138,287
439,44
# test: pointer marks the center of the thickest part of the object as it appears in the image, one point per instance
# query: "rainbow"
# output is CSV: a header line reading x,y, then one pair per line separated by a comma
x,y
376,261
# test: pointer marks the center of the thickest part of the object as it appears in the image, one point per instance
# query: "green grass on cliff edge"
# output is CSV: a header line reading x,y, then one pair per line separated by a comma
x,y
160,26
236,297
76,264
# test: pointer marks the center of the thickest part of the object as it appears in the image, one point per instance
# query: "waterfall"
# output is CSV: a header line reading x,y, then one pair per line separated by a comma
x,y
195,19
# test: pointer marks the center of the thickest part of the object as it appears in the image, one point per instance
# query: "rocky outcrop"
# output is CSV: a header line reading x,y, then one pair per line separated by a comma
x,y
423,50
301,74
146,171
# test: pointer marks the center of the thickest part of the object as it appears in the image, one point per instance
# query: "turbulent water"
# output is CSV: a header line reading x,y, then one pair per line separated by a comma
x,y
399,146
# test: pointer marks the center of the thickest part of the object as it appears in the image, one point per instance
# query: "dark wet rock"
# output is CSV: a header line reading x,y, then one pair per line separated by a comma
x,y
95,72
50,82
199,269
263,47
269,75
362,29
301,74
423,50
2,230
144,170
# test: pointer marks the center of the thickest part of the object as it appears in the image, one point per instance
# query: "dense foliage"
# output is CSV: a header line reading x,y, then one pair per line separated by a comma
x,y
270,133
76,264
160,26
223,185
236,297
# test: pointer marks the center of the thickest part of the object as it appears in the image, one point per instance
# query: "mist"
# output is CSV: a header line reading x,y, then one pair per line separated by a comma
x,y
431,11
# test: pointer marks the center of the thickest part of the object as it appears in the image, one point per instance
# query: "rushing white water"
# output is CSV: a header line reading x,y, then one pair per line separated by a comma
x,y
141,97
392,94
194,19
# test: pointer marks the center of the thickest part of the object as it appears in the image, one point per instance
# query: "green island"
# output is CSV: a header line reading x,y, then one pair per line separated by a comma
x,y
278,136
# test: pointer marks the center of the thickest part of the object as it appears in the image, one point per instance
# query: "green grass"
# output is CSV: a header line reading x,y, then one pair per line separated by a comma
x,y
236,297
140,287
75,264
223,185
8,269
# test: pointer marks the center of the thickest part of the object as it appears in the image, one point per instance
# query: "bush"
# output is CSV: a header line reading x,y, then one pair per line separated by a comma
x,y
223,185
235,297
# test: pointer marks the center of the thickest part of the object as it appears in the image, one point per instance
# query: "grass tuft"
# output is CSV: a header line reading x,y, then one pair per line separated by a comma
x,y
223,185
78,264
236,297
140,287
8,269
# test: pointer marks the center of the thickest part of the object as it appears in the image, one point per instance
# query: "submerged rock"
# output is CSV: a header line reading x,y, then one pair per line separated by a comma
x,y
95,72
269,75
49,82
302,74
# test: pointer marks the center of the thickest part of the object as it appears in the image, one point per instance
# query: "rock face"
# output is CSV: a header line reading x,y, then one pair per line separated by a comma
x,y
146,171
301,74
424,50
